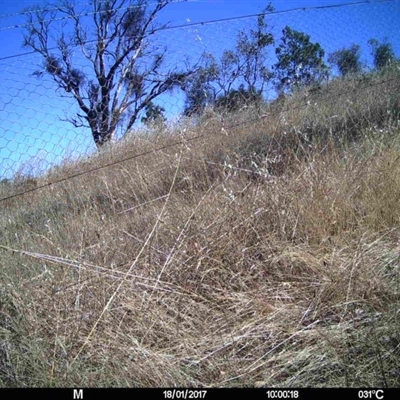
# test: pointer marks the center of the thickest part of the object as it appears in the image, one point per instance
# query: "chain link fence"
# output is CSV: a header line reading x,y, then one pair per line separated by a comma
x,y
36,113
214,243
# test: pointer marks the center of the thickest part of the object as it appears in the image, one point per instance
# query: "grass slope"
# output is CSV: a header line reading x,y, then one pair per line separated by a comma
x,y
261,250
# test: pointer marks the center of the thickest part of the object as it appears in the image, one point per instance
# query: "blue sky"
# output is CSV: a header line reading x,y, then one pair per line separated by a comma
x,y
32,137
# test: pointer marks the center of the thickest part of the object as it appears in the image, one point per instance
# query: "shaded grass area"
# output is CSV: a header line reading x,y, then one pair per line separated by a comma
x,y
262,250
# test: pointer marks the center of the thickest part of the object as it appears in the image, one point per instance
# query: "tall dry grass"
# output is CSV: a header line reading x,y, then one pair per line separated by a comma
x,y
255,249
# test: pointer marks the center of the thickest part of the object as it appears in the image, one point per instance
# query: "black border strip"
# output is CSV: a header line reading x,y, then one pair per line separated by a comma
x,y
201,393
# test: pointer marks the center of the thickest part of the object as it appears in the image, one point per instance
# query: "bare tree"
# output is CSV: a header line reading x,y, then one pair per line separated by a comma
x,y
122,71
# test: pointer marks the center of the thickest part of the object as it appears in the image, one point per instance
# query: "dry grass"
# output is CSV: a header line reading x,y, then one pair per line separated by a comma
x,y
262,250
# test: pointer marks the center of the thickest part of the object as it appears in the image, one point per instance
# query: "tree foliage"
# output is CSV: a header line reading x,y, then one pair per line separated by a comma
x,y
247,62
238,98
154,115
382,53
240,71
300,61
347,60
119,70
199,89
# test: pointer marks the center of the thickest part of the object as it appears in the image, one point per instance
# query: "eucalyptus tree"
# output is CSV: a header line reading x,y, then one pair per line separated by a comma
x,y
347,60
300,62
239,76
120,69
382,53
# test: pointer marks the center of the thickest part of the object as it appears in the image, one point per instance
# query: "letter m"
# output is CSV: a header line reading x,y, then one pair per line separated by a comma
x,y
78,394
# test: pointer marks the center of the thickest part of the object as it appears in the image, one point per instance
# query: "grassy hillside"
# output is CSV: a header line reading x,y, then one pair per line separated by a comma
x,y
255,249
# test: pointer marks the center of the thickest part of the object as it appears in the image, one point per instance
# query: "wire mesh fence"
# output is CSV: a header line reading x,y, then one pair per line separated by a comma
x,y
44,122
243,196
